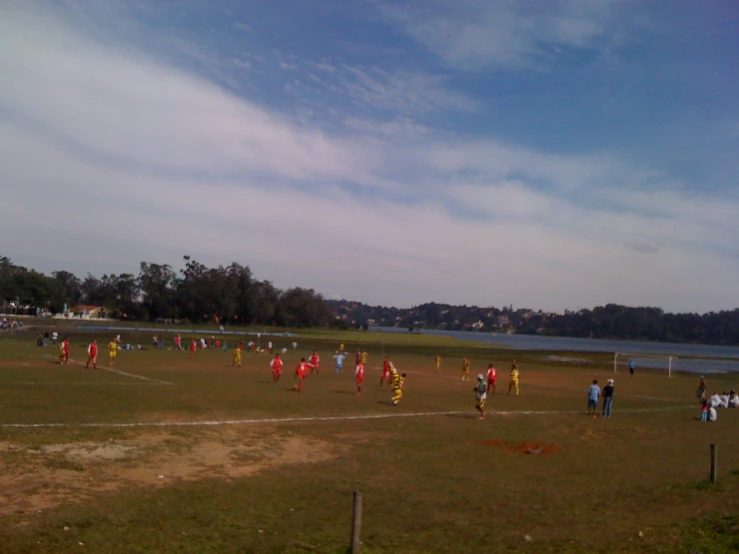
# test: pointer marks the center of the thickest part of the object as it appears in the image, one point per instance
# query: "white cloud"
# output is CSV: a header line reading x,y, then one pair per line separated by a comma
x,y
110,156
471,34
404,92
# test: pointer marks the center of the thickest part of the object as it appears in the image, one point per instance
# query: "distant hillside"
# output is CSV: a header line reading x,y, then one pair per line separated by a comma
x,y
607,322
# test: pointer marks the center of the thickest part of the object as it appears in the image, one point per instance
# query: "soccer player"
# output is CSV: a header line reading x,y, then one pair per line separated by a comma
x,y
193,348
61,352
386,365
437,359
465,368
363,358
359,373
65,350
339,357
492,378
112,352
315,360
237,356
301,372
358,357
480,395
276,364
398,380
514,378
92,354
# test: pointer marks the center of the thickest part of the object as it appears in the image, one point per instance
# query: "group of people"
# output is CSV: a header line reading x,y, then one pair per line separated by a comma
x,y
595,393
710,404
11,325
488,382
92,352
311,366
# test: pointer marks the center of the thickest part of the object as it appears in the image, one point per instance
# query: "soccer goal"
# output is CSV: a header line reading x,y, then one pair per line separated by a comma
x,y
668,363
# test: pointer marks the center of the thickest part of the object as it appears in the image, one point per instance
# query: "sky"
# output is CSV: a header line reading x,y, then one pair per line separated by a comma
x,y
553,154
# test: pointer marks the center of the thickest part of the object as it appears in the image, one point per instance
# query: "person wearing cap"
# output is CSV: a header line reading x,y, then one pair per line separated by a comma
x,y
608,398
481,395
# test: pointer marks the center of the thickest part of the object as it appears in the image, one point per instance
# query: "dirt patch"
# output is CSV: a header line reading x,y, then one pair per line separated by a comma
x,y
34,479
534,448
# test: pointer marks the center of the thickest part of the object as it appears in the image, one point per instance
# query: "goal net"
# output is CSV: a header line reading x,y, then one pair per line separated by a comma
x,y
647,361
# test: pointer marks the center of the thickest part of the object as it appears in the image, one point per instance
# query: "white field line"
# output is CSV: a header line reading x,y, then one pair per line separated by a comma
x,y
309,419
104,368
74,384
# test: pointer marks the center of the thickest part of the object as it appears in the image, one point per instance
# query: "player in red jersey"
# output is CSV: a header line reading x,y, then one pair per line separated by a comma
x,y
386,365
92,354
360,377
358,357
193,348
492,378
65,350
276,364
314,362
301,372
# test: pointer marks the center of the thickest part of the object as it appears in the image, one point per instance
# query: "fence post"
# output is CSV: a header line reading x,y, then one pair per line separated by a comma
x,y
356,523
714,475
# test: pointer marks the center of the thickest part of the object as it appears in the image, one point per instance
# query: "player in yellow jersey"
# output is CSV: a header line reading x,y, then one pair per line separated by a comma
x,y
514,378
363,358
112,352
465,368
237,356
397,382
437,359
61,352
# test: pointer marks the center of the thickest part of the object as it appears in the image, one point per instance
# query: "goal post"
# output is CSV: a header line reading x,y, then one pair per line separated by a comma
x,y
671,360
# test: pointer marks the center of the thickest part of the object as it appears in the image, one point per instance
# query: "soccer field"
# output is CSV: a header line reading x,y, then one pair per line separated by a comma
x,y
172,454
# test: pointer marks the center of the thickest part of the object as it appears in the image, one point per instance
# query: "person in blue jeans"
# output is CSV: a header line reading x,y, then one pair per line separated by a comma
x,y
593,396
608,398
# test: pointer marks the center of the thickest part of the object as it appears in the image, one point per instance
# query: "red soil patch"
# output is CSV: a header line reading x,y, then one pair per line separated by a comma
x,y
523,448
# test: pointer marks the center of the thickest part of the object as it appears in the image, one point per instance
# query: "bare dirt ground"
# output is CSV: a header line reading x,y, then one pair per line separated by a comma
x,y
35,479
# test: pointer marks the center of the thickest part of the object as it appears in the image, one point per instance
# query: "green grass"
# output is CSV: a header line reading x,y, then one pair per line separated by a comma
x,y
430,484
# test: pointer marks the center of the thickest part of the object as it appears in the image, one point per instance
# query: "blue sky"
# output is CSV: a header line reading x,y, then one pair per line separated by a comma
x,y
555,155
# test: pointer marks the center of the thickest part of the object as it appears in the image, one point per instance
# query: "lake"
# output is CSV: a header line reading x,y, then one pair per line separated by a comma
x,y
707,353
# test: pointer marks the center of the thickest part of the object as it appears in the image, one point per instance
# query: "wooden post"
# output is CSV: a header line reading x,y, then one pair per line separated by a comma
x,y
615,361
714,475
356,523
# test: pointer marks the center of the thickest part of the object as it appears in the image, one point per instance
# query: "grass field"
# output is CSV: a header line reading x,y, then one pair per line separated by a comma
x,y
176,455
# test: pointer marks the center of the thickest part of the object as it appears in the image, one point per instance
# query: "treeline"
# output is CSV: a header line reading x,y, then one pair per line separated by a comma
x,y
224,294
653,324
606,322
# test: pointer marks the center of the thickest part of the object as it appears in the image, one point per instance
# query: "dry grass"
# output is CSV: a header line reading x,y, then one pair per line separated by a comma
x,y
445,483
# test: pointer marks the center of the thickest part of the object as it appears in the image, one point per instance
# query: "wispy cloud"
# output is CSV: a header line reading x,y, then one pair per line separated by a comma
x,y
472,34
